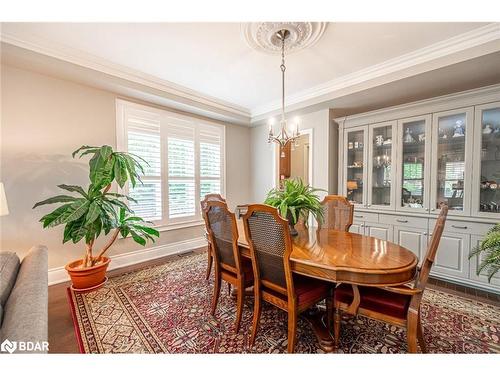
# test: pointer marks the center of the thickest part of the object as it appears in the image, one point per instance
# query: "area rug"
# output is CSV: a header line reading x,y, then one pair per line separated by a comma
x,y
166,309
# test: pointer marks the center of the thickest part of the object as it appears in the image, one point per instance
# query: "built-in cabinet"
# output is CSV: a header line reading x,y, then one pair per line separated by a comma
x,y
400,164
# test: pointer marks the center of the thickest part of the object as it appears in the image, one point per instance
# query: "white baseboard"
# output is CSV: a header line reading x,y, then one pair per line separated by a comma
x,y
59,275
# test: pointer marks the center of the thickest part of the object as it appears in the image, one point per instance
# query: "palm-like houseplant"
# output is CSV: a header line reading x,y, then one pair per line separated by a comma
x,y
97,211
490,246
296,200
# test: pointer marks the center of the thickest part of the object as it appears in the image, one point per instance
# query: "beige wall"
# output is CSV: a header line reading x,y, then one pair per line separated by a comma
x,y
43,119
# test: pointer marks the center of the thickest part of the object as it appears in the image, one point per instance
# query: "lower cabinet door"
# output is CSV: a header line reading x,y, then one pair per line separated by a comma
x,y
413,239
357,228
452,257
380,231
476,261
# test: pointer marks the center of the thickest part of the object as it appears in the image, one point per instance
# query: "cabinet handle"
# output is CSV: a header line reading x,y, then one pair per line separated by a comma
x,y
368,205
459,227
401,221
358,216
424,233
433,209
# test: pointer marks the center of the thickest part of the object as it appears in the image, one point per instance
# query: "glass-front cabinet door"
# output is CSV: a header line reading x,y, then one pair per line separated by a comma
x,y
355,171
451,168
413,142
381,156
486,186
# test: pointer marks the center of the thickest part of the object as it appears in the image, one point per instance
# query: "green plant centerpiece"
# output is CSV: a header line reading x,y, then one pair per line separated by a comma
x,y
296,200
96,210
490,246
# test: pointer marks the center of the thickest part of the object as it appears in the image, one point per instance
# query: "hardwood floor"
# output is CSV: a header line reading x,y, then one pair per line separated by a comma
x,y
62,337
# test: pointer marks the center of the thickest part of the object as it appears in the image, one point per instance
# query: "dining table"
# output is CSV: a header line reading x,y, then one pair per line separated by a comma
x,y
343,257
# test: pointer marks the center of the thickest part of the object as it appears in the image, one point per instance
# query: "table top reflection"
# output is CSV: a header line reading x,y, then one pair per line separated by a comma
x,y
346,257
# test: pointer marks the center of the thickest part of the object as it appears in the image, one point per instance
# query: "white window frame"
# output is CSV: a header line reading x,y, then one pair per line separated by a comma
x,y
123,107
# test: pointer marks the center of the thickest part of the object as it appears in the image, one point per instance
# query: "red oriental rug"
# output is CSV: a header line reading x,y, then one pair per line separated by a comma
x,y
166,309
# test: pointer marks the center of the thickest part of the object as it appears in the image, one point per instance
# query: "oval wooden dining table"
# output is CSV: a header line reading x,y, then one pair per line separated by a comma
x,y
338,257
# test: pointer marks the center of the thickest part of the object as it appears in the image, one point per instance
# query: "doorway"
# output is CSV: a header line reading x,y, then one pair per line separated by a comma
x,y
295,160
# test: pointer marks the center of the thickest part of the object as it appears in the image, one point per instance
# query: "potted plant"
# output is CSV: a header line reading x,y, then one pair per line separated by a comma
x,y
98,211
490,246
296,200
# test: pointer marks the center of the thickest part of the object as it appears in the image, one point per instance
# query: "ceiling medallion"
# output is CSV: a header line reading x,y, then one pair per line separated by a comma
x,y
261,36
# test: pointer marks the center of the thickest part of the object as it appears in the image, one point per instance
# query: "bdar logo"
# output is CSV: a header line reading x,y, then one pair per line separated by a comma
x,y
8,346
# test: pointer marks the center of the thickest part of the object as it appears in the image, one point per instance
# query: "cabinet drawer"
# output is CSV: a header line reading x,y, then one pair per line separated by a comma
x,y
464,227
407,221
365,216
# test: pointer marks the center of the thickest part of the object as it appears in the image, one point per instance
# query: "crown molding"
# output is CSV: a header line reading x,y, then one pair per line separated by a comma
x,y
436,51
442,103
89,61
390,70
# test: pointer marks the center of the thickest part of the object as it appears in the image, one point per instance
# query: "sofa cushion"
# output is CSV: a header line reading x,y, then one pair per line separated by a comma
x,y
25,313
9,267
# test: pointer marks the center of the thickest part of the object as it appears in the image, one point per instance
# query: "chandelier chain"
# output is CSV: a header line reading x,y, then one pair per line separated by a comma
x,y
283,137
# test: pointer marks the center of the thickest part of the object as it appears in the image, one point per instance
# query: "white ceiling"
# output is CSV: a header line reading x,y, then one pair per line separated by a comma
x,y
213,58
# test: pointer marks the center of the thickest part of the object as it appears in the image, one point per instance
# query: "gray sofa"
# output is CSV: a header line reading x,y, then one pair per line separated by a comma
x,y
24,299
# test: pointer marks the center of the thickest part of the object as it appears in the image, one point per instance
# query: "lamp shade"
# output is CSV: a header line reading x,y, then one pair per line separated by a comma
x,y
4,209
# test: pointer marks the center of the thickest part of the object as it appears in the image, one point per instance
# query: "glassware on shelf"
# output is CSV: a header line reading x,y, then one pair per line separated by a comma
x,y
355,166
489,192
413,160
451,165
381,166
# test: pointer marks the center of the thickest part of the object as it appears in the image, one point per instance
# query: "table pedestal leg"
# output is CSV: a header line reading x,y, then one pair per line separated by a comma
x,y
318,320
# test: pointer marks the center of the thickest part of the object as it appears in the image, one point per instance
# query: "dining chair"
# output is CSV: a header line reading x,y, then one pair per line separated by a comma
x,y
228,264
270,244
338,213
397,305
210,198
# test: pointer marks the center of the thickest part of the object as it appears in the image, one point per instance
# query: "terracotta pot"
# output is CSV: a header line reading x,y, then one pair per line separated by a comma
x,y
87,278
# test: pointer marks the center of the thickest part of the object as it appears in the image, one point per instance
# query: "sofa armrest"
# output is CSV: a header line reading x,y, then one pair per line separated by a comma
x,y
25,313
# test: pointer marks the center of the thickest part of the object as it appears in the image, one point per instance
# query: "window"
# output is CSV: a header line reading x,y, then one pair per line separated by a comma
x,y
185,161
454,175
412,178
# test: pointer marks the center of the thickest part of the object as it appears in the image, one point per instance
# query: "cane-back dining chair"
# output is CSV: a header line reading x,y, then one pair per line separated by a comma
x,y
210,198
397,305
338,213
228,264
270,244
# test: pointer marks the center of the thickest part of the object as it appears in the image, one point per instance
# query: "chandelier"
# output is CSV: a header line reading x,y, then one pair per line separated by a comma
x,y
283,137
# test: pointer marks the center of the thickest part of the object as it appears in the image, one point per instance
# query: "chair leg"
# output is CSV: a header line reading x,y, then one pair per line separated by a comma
x,y
239,304
229,289
217,286
257,308
336,327
411,332
209,262
292,328
420,335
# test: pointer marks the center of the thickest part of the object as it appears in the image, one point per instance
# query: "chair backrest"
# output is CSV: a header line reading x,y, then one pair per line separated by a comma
x,y
211,198
430,256
432,248
270,244
338,213
223,234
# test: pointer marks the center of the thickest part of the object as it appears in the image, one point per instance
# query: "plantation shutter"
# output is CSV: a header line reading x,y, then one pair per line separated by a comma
x,y
183,161
181,153
211,160
143,140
